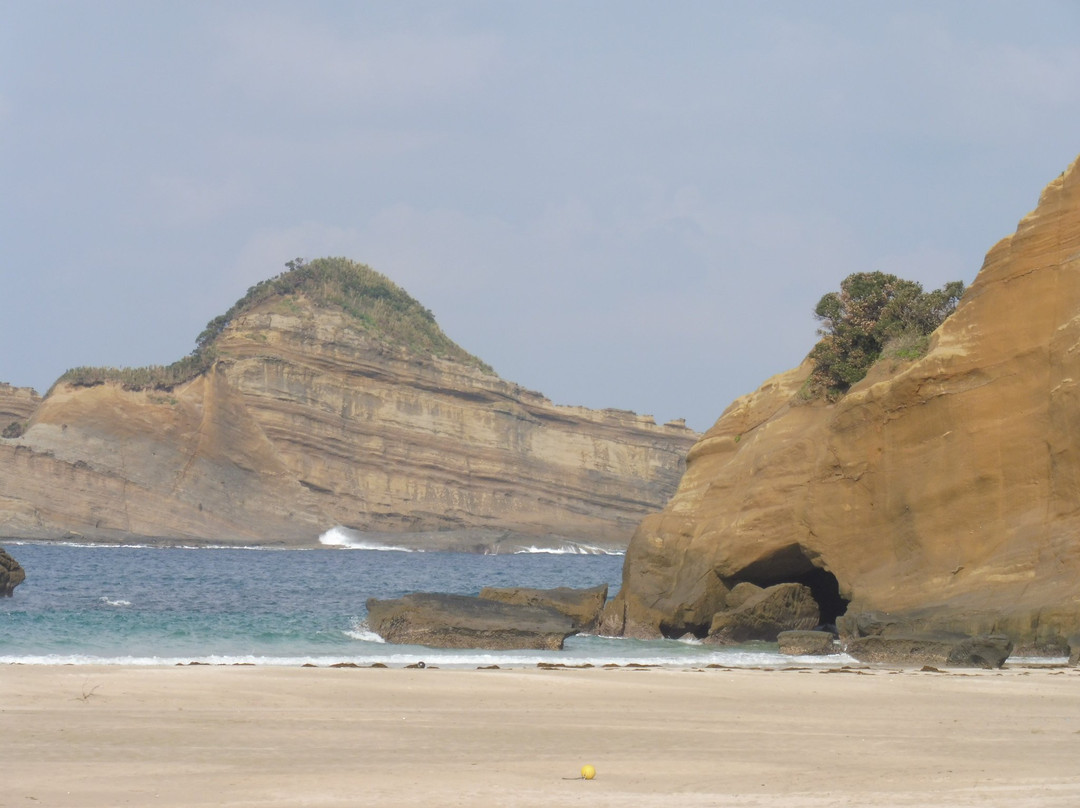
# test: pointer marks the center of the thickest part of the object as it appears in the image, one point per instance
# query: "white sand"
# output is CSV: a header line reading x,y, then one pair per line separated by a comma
x,y
241,736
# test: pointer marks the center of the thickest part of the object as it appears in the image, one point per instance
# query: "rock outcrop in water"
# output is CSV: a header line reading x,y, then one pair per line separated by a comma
x,y
945,491
314,405
989,651
582,606
11,574
440,620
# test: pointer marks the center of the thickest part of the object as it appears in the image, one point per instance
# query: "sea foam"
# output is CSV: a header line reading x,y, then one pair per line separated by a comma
x,y
570,548
359,631
339,536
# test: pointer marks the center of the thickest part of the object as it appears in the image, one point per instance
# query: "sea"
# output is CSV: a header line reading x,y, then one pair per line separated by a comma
x,y
84,604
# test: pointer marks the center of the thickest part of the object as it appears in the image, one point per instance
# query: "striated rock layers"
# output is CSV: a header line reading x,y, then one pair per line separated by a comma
x,y
17,404
308,418
943,491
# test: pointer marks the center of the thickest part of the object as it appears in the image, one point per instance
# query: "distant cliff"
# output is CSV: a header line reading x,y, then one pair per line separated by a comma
x,y
945,490
328,396
17,404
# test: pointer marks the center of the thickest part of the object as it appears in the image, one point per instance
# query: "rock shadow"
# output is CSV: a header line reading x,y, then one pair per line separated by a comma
x,y
793,565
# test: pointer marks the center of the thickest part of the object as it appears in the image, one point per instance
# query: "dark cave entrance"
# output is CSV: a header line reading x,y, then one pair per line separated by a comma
x,y
792,565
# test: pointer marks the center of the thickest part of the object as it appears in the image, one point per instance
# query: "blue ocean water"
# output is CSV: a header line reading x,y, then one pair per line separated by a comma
x,y
165,606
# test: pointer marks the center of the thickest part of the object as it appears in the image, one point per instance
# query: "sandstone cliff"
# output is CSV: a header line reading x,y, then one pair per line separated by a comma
x,y
309,417
945,490
17,404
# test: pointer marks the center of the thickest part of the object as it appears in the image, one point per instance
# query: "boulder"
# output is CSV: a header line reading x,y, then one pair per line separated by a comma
x,y
806,643
741,593
582,606
763,615
11,574
986,651
869,624
460,621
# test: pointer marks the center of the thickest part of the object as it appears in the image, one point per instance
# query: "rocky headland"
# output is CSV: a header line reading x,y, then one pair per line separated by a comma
x,y
327,397
941,494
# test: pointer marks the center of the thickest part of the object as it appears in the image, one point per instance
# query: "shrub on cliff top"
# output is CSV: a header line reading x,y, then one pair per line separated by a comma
x,y
372,300
871,311
14,430
150,377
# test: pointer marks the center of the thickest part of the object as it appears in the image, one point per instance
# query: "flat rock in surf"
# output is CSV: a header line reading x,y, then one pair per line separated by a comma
x,y
582,606
461,621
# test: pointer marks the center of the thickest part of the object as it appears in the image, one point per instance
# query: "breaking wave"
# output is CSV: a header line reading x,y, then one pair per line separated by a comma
x,y
359,631
572,548
352,540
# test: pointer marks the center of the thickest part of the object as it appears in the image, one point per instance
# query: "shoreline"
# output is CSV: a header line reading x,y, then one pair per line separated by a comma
x,y
205,735
470,541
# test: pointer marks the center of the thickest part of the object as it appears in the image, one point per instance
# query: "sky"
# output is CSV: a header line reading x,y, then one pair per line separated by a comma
x,y
616,203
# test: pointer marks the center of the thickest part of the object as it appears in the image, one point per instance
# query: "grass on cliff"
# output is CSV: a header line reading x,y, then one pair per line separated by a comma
x,y
375,303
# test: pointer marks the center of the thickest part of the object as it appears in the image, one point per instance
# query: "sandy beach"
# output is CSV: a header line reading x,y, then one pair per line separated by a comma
x,y
245,736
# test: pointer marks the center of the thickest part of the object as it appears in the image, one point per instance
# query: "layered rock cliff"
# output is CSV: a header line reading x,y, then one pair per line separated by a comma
x,y
17,404
945,491
309,417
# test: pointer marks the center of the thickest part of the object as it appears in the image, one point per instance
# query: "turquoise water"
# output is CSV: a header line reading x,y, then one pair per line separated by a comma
x,y
158,606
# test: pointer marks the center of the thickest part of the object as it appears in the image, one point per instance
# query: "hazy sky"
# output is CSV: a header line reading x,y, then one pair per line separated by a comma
x,y
619,204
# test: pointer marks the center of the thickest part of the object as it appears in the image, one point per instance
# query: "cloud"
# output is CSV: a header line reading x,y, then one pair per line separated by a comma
x,y
304,65
586,300
619,209
898,74
178,201
933,267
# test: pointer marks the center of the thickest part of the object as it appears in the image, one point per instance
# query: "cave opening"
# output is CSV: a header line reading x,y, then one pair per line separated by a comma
x,y
792,565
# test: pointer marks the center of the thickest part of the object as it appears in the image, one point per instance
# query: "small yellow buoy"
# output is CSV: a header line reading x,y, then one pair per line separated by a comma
x,y
587,772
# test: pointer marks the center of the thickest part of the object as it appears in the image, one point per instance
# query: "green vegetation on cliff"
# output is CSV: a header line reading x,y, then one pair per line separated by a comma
x,y
150,377
873,315
374,302
377,304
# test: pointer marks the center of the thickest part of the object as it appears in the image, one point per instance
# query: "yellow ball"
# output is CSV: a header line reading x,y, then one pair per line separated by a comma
x,y
587,772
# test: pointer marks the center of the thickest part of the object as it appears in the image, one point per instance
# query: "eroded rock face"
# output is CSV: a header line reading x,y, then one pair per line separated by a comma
x,y
11,574
946,489
582,606
17,404
306,422
460,621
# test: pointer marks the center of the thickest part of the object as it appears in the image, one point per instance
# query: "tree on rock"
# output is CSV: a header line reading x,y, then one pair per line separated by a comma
x,y
873,314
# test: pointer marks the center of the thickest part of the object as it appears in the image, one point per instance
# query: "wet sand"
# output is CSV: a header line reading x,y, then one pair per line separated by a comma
x,y
243,736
